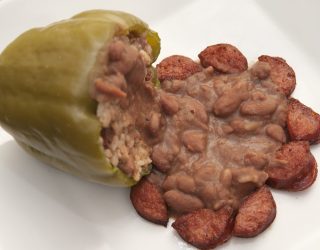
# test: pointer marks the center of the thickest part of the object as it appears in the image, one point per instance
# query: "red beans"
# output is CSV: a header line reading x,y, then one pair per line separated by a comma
x,y
276,132
169,103
259,107
181,202
194,140
231,99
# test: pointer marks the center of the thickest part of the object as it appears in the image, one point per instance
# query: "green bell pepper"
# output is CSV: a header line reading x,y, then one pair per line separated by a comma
x,y
45,102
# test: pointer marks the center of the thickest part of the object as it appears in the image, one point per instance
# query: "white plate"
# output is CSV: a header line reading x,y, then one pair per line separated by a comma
x,y
44,209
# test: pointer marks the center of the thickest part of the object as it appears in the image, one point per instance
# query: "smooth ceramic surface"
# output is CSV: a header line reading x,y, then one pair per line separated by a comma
x,y
44,209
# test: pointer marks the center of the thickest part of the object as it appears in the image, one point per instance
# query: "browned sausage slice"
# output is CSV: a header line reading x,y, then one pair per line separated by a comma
x,y
255,214
302,122
205,228
177,67
281,74
291,163
228,232
224,57
307,180
149,203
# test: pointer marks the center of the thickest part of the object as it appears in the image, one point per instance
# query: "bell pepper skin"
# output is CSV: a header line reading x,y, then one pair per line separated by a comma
x,y
45,102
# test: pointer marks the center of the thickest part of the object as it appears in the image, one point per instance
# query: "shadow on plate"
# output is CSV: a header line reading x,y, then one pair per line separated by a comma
x,y
298,19
42,204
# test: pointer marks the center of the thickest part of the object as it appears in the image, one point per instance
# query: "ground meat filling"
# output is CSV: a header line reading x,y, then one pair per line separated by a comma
x,y
124,100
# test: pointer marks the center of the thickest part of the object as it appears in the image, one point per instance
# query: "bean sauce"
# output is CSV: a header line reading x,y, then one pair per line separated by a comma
x,y
219,134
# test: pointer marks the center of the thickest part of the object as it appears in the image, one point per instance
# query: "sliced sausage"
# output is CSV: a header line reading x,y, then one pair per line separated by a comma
x,y
281,74
177,67
307,180
291,163
228,232
147,199
302,122
205,228
255,214
224,57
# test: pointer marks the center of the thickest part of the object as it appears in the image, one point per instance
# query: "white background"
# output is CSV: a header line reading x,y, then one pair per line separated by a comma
x,y
44,209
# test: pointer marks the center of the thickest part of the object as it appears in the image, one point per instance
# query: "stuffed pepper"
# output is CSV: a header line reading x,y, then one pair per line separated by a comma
x,y
76,95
